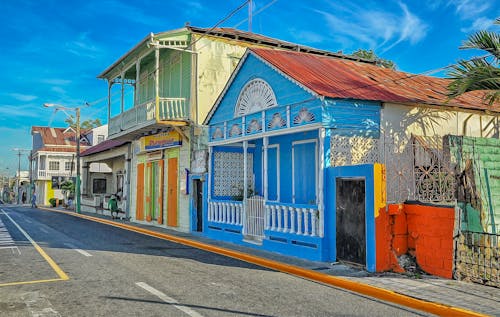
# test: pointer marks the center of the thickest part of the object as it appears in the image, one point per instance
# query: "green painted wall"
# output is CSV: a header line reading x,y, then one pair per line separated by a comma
x,y
485,154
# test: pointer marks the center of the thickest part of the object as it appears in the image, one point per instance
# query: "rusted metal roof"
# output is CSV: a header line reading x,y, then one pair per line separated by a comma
x,y
103,146
244,38
57,138
347,79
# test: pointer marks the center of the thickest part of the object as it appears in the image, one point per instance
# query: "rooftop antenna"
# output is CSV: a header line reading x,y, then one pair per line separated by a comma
x,y
250,16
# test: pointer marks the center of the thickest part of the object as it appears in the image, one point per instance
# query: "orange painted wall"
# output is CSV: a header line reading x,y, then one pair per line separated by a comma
x,y
430,231
426,232
388,238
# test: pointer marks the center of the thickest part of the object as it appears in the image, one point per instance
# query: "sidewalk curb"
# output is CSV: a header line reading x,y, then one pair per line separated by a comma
x,y
357,287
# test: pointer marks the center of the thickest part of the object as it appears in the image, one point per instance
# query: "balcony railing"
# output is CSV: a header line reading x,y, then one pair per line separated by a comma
x,y
46,175
145,114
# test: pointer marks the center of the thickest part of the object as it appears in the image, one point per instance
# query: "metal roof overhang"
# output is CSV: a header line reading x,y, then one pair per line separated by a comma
x,y
148,129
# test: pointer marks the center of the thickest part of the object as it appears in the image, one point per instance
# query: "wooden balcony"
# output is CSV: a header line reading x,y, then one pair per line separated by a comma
x,y
146,117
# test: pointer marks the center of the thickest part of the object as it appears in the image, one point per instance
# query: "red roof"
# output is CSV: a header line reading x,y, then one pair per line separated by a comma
x,y
103,146
341,78
57,139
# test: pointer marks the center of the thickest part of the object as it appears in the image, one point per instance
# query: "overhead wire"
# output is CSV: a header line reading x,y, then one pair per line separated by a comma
x,y
231,14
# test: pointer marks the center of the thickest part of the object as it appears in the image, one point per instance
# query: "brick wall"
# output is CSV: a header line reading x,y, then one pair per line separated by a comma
x,y
425,232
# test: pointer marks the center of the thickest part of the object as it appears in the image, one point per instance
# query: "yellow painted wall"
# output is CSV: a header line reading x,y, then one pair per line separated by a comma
x,y
49,192
216,60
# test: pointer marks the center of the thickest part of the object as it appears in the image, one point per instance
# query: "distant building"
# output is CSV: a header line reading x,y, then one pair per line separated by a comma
x,y
53,159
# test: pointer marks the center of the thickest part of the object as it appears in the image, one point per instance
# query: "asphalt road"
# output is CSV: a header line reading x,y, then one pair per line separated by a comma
x,y
115,272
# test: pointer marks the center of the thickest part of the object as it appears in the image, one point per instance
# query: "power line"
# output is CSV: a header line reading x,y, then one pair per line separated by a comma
x,y
256,12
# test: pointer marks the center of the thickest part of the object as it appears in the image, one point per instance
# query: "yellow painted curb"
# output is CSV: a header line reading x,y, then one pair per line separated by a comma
x,y
365,289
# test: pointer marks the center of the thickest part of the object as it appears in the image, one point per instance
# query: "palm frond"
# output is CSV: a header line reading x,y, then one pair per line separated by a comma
x,y
484,40
472,75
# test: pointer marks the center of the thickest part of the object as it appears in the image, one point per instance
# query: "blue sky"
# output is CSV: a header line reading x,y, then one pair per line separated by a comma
x,y
52,50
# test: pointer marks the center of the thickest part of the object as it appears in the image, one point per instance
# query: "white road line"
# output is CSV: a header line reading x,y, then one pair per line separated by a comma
x,y
168,299
6,241
78,250
38,305
44,230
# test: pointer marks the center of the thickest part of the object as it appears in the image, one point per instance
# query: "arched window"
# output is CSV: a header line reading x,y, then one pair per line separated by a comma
x,y
255,96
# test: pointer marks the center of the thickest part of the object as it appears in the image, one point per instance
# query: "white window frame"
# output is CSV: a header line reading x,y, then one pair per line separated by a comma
x,y
70,167
277,147
54,162
315,141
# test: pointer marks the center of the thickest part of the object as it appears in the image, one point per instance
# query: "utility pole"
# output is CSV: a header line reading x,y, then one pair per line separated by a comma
x,y
19,154
77,185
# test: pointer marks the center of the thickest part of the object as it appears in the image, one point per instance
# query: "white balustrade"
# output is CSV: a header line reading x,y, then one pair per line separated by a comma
x,y
291,219
225,212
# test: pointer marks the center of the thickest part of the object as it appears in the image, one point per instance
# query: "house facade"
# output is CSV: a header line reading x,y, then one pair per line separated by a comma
x,y
326,159
53,160
166,86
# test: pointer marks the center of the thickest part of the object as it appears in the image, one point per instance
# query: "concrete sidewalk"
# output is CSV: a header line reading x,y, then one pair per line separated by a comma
x,y
457,295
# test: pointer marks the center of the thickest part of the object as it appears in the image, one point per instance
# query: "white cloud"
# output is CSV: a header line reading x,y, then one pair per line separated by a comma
x,y
374,28
83,46
17,111
481,23
23,97
58,90
126,11
308,37
469,9
56,81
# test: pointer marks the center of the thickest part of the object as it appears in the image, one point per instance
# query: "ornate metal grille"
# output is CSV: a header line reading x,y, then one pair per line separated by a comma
x,y
228,173
433,171
353,150
419,168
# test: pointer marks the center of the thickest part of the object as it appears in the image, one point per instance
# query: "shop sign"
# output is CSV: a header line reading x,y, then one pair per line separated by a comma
x,y
162,140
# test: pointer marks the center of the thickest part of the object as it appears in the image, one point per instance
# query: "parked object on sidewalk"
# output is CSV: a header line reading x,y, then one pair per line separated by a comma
x,y
113,207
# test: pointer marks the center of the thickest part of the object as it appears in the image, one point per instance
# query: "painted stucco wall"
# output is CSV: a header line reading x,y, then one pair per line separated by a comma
x,y
216,60
400,121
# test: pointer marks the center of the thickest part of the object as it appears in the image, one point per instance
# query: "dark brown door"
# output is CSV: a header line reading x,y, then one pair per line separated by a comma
x,y
350,217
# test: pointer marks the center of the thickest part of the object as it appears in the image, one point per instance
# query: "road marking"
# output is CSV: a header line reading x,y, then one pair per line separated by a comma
x,y
358,287
38,305
44,230
6,241
168,299
62,276
78,250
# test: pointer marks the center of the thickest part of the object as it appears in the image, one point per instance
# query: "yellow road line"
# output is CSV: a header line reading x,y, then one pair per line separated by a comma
x,y
62,275
31,282
357,287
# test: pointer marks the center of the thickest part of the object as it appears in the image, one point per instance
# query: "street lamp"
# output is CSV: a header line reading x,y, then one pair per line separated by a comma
x,y
77,185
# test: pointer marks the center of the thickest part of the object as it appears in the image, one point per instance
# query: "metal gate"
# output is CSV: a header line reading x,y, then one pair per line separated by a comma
x,y
254,219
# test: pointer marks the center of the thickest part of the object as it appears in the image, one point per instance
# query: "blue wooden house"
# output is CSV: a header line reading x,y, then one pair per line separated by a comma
x,y
269,150
313,156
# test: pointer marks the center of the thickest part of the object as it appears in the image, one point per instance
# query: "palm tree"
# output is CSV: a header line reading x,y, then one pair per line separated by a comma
x,y
481,73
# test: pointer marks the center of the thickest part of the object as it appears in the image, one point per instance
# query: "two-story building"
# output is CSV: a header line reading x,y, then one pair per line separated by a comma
x,y
166,85
53,160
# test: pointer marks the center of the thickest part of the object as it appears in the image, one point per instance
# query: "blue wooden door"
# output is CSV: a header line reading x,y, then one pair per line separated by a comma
x,y
272,173
304,173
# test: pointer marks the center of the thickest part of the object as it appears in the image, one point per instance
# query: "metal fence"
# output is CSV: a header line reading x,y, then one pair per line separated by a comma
x,y
477,258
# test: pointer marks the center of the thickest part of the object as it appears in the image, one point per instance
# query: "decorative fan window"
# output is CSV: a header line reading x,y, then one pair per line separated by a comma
x,y
256,96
